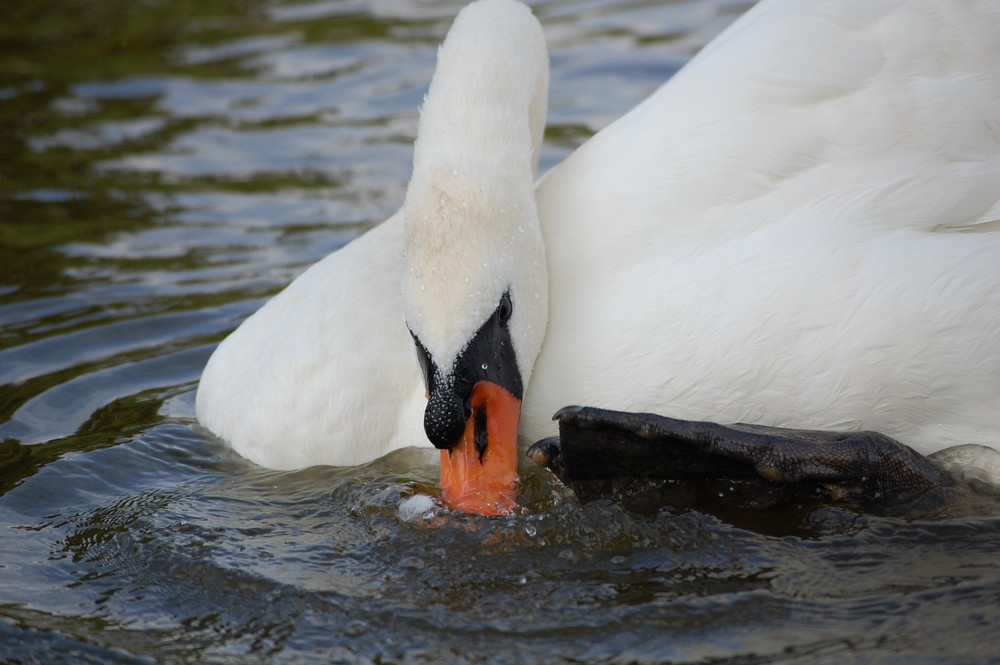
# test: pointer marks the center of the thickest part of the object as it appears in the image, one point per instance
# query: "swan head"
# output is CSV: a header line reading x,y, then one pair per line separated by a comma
x,y
475,282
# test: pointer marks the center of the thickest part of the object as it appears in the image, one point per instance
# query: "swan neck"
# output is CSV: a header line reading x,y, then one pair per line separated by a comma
x,y
472,226
486,105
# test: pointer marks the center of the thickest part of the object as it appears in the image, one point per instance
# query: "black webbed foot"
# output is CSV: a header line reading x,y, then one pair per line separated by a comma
x,y
618,455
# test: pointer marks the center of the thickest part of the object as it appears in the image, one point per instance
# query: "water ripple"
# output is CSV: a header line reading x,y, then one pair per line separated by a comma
x,y
168,167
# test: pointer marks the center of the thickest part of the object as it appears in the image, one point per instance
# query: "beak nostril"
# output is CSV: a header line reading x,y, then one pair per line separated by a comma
x,y
468,410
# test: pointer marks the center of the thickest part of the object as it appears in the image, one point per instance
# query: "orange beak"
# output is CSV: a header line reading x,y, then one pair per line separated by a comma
x,y
483,478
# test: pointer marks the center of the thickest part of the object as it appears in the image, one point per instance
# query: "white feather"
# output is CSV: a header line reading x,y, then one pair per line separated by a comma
x,y
799,229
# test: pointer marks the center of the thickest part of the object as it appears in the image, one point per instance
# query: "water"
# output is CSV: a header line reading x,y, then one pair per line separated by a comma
x,y
167,166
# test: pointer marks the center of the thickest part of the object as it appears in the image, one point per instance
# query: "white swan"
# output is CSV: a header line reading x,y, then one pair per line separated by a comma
x,y
799,229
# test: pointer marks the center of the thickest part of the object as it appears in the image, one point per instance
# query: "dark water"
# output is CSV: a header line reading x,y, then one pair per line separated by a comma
x,y
167,166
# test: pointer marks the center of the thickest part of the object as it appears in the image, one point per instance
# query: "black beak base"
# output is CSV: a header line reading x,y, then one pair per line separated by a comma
x,y
489,356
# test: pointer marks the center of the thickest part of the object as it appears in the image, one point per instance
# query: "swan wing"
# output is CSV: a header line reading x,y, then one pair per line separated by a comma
x,y
773,236
297,383
857,113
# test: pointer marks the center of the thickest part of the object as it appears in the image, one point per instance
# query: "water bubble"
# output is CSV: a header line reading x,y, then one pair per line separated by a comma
x,y
355,628
412,563
416,508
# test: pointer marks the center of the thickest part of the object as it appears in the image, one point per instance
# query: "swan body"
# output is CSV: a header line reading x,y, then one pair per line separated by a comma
x,y
800,229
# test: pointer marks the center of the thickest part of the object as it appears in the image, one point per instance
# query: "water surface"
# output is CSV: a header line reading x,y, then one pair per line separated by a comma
x,y
165,167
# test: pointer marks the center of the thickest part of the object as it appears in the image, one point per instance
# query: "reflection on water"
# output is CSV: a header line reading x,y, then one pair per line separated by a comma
x,y
167,166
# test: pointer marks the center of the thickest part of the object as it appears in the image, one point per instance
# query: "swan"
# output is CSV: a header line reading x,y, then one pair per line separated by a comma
x,y
801,228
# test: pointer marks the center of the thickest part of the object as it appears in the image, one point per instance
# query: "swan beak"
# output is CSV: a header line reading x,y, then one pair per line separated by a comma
x,y
479,475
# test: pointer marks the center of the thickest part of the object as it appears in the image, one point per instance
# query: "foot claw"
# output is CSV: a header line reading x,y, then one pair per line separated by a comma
x,y
547,453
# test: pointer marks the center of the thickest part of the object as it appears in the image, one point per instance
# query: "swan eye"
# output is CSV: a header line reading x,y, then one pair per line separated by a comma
x,y
505,308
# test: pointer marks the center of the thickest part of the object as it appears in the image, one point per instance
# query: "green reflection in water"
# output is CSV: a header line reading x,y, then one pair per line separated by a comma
x,y
59,137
